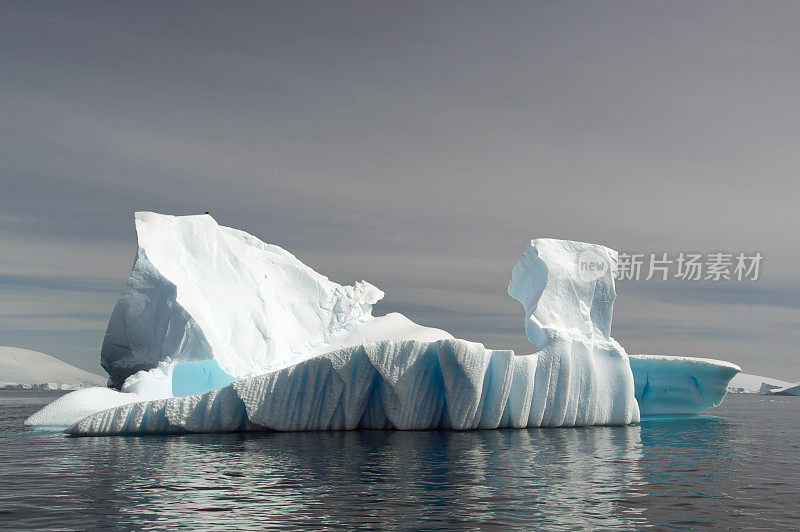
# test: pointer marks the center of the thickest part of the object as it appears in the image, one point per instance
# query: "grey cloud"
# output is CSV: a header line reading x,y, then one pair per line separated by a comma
x,y
747,293
416,145
65,284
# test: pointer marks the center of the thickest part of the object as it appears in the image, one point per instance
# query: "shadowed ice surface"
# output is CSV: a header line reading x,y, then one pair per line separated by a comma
x,y
734,469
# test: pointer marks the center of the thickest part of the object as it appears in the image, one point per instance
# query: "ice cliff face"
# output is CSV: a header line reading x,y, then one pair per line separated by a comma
x,y
218,331
403,385
448,384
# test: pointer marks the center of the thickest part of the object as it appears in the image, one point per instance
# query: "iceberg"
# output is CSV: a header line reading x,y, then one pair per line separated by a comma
x,y
580,376
672,385
218,331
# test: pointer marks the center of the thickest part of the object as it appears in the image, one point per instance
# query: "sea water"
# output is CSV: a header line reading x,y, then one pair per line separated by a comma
x,y
735,468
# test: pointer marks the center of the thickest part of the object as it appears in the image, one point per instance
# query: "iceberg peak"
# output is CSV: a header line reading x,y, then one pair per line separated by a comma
x,y
201,291
557,296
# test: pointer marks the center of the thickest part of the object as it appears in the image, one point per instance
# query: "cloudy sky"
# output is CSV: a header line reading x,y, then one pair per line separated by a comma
x,y
419,146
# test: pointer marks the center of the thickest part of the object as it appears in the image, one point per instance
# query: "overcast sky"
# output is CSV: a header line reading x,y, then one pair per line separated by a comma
x,y
419,146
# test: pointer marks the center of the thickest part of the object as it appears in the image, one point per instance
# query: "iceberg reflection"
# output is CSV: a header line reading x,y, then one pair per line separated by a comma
x,y
563,477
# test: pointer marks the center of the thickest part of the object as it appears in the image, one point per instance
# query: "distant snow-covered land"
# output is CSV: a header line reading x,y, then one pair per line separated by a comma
x,y
26,369
745,383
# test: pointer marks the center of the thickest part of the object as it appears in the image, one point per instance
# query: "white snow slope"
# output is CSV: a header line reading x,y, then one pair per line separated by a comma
x,y
23,368
218,331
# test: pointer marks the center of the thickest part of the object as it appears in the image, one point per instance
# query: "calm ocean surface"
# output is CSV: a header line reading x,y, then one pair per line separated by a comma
x,y
735,469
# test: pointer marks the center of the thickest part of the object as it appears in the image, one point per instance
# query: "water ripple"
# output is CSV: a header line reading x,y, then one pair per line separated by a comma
x,y
731,470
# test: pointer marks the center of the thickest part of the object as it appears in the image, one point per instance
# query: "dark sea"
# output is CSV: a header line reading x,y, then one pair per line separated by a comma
x,y
735,469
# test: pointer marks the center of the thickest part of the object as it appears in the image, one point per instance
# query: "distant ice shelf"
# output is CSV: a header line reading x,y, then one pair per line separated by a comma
x,y
745,383
218,331
792,389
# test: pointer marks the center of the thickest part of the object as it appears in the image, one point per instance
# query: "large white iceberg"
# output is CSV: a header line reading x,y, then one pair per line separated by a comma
x,y
218,331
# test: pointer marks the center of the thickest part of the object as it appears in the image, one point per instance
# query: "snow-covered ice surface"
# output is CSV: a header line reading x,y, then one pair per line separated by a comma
x,y
218,331
73,407
23,368
679,385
